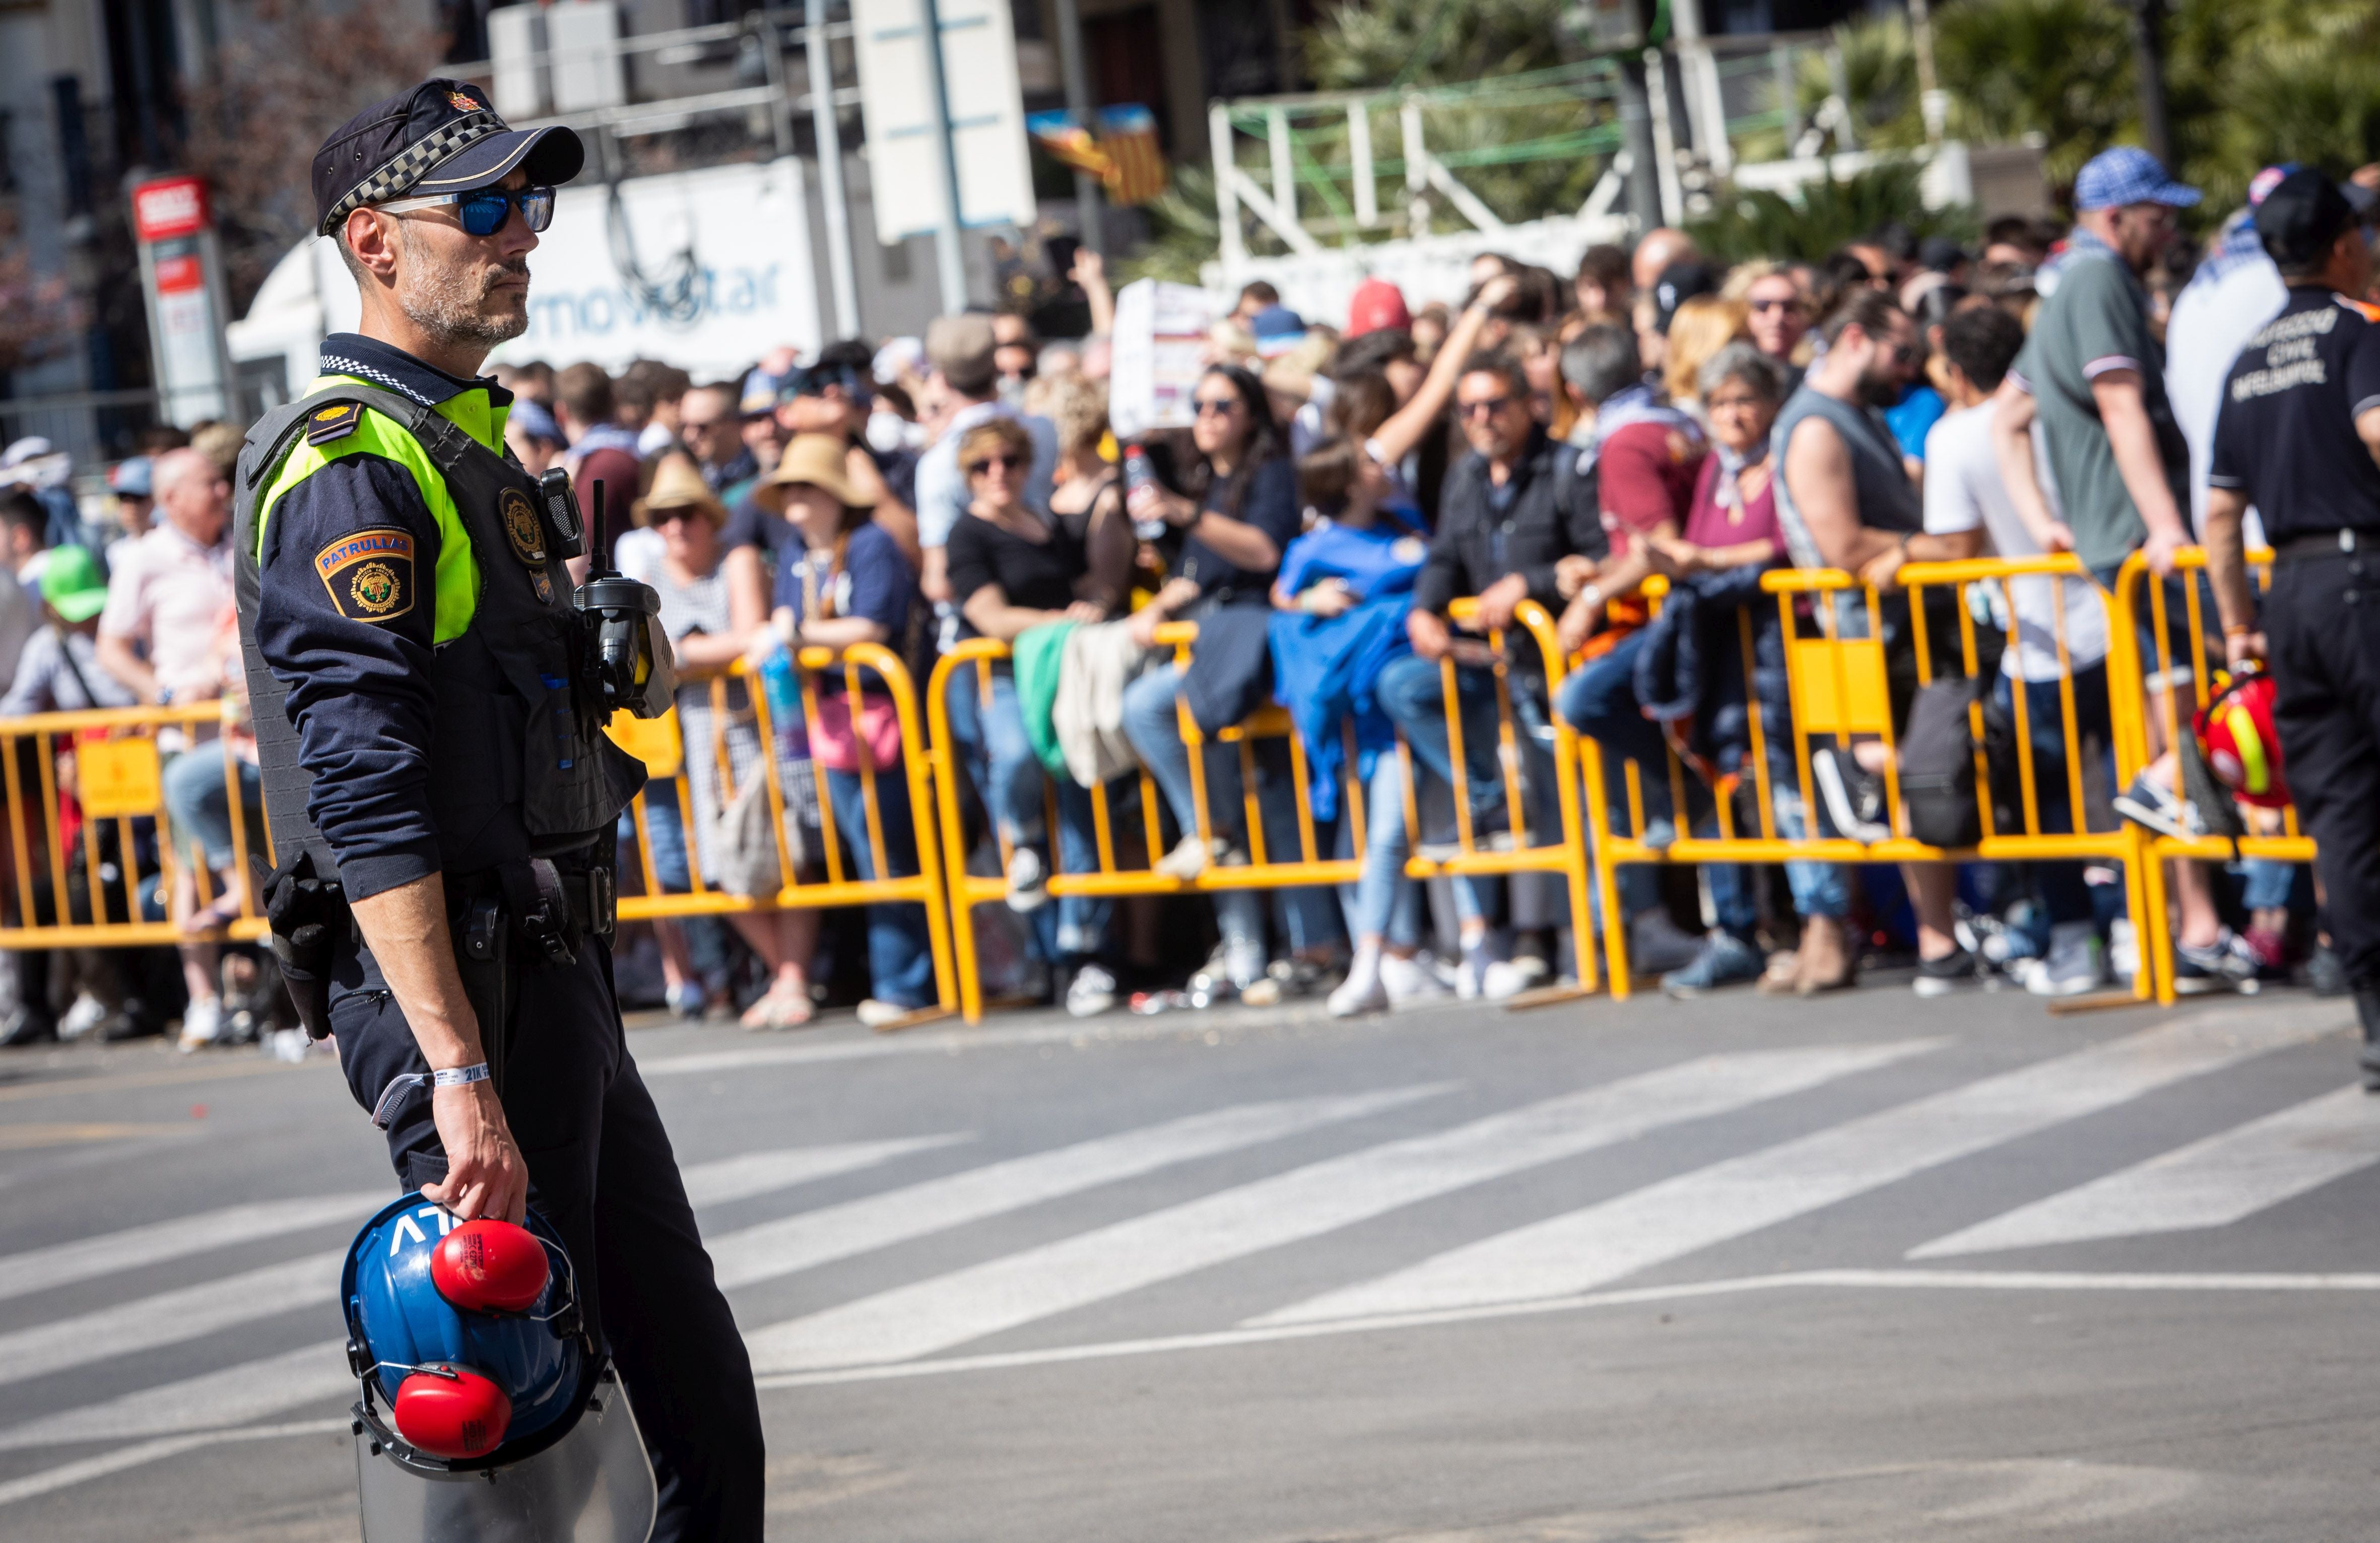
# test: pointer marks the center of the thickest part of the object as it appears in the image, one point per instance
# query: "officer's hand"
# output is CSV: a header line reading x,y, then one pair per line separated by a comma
x,y
485,1173
2242,648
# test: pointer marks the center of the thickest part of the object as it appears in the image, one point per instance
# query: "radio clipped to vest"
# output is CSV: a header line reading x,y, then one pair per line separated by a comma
x,y
627,652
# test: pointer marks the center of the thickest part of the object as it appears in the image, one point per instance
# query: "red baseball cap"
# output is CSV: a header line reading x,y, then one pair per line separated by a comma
x,y
1378,305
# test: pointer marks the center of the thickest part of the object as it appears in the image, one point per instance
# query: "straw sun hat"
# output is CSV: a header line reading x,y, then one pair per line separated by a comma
x,y
678,485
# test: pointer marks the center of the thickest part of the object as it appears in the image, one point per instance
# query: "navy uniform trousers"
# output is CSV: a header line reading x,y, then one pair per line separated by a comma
x,y
2322,625
601,1172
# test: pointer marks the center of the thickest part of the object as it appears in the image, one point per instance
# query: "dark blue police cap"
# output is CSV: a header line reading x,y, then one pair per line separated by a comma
x,y
441,137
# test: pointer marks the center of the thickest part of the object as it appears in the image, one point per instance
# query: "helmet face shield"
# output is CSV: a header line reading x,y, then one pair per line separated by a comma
x,y
593,1486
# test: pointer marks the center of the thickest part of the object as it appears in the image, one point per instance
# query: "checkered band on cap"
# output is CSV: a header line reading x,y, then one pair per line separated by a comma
x,y
411,163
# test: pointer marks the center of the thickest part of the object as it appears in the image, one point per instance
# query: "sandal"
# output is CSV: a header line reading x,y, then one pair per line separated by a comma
x,y
782,1007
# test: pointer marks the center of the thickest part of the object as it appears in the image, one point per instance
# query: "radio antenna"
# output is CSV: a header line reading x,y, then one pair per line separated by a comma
x,y
599,563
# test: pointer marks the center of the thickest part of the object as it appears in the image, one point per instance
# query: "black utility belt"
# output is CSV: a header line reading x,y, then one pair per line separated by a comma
x,y
548,907
2328,543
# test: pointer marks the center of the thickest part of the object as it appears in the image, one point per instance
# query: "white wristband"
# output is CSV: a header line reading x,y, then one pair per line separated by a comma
x,y
460,1076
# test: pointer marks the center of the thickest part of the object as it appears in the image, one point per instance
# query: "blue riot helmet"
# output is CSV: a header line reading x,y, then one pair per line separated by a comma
x,y
467,1336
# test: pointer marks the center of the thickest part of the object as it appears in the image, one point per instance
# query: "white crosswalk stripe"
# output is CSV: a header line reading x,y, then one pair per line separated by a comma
x,y
2212,1183
138,1247
813,1238
1584,1249
921,1319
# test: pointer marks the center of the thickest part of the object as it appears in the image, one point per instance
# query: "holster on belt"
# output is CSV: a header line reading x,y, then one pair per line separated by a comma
x,y
308,913
482,949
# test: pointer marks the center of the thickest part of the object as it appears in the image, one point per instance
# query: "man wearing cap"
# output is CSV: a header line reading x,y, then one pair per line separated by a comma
x,y
433,748
2093,374
2299,436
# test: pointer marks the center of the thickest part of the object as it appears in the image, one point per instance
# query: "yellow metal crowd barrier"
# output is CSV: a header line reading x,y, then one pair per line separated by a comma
x,y
1125,854
58,893
2159,719
106,762
1840,690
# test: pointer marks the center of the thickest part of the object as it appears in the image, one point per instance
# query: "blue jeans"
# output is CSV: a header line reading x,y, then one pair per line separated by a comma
x,y
900,954
2269,883
1411,692
1150,723
1383,903
2063,894
1009,778
199,807
1599,701
1819,889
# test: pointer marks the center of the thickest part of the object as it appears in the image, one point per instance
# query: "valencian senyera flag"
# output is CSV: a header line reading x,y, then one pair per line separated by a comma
x,y
1122,152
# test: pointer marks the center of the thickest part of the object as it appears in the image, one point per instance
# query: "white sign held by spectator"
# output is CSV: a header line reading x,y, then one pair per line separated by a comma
x,y
1159,351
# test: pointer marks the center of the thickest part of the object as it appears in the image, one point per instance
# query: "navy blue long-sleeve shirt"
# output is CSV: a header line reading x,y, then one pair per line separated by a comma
x,y
360,690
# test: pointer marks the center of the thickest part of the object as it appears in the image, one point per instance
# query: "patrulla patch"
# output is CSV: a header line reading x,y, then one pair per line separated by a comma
x,y
333,422
369,574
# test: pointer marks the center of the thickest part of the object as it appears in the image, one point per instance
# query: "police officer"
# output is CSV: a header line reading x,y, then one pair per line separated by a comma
x,y
430,729
2299,437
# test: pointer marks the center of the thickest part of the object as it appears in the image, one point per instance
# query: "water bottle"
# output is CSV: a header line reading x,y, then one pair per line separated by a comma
x,y
784,690
1138,474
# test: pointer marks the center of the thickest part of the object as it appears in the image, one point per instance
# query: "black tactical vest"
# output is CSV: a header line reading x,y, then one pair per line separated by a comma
x,y
520,765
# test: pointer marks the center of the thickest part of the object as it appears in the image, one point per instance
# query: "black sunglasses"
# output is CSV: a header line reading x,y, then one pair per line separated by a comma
x,y
1005,463
1487,406
1220,407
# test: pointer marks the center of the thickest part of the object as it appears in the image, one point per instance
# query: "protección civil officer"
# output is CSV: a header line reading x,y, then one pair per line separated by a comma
x,y
2298,436
441,794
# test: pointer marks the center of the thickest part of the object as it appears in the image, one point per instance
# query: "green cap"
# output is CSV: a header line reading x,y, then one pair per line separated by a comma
x,y
72,584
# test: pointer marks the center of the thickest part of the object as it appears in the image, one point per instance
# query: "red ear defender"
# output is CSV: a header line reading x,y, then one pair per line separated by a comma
x,y
453,1412
490,1267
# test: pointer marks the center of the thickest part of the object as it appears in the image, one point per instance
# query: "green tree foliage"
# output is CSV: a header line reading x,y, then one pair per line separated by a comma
x,y
1829,213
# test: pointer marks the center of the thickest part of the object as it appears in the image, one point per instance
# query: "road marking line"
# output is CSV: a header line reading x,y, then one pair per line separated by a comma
x,y
2207,1184
19,1138
1881,1280
89,1468
925,1317
741,1178
224,1396
954,1041
1581,1249
138,1247
800,1241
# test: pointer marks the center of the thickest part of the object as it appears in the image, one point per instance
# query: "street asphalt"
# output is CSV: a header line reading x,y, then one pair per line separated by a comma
x,y
1729,1272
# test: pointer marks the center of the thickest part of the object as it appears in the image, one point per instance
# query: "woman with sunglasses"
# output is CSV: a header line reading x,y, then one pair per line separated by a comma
x,y
1245,511
1013,569
711,623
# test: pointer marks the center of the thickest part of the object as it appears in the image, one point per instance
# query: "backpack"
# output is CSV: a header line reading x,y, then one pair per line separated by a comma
x,y
1937,763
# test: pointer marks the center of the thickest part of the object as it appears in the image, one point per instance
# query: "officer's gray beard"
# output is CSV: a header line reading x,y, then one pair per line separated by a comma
x,y
451,303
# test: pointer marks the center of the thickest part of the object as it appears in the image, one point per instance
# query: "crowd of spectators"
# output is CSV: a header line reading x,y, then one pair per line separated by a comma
x,y
1551,439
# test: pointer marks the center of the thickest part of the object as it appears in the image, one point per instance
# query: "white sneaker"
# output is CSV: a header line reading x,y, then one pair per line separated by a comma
x,y
1471,971
2077,963
2123,949
82,1017
882,1014
1509,977
1410,979
1028,881
1091,992
1188,859
1363,991
202,1023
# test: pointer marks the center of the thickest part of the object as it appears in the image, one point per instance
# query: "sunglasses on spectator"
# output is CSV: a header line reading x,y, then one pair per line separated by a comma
x,y
1219,406
485,212
1486,407
1787,304
1005,463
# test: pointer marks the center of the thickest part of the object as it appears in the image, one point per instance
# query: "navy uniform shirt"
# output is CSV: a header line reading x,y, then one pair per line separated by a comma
x,y
360,690
2285,434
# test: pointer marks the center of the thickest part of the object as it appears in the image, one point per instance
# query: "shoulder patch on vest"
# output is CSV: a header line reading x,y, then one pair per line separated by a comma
x,y
522,527
369,574
333,422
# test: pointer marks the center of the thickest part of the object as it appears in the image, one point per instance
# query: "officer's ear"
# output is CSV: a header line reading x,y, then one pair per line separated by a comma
x,y
368,243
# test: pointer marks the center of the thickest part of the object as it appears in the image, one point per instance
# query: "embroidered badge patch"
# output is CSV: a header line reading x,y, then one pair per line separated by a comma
x,y
369,574
333,422
522,527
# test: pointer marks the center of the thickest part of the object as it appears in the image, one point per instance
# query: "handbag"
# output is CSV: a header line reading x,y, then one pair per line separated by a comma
x,y
835,741
744,847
